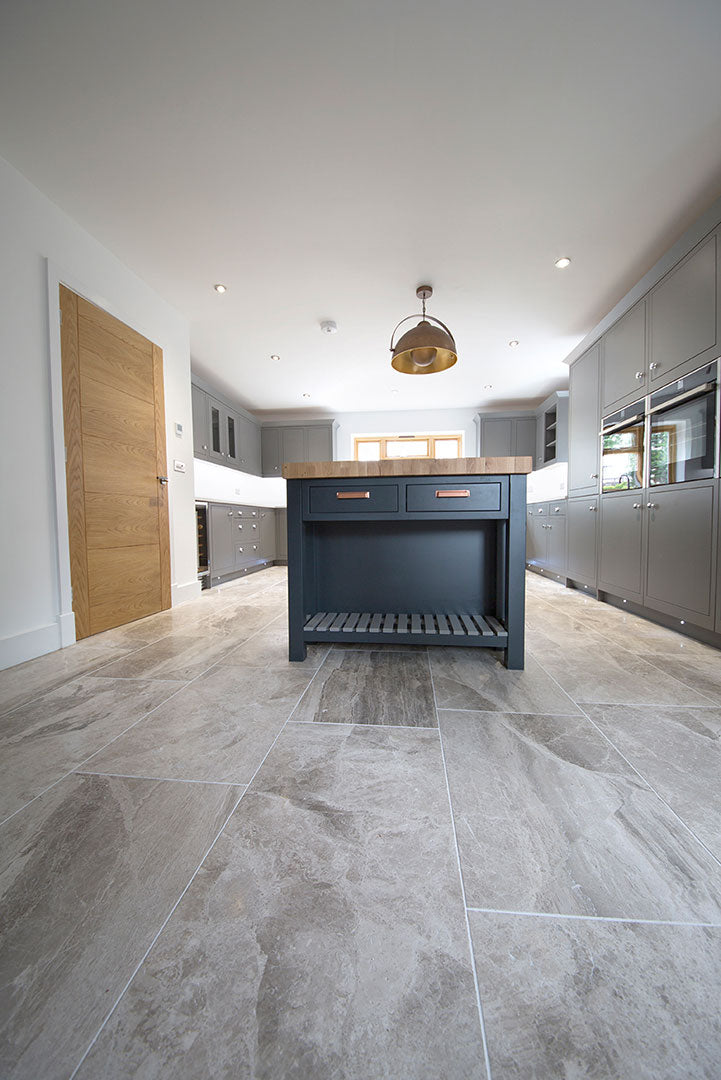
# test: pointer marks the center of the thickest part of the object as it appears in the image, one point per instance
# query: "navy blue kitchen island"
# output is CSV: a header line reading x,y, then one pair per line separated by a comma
x,y
412,552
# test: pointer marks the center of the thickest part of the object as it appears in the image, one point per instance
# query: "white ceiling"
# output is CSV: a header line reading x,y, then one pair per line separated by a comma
x,y
324,157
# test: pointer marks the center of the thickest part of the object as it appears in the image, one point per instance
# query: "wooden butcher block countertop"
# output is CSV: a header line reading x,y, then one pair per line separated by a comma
x,y
346,470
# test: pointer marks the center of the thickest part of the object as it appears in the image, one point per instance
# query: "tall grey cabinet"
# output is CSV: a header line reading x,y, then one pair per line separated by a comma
x,y
583,424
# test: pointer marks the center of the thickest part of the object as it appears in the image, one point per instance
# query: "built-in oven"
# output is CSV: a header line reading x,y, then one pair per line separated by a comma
x,y
682,429
201,523
622,448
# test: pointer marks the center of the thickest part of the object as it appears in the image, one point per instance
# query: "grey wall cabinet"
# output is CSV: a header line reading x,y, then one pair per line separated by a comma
x,y
581,546
296,442
268,545
623,377
552,430
511,435
223,434
201,421
583,424
620,570
684,315
271,456
681,552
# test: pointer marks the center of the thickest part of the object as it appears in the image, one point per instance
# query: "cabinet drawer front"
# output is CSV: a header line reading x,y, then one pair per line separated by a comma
x,y
557,509
452,498
353,498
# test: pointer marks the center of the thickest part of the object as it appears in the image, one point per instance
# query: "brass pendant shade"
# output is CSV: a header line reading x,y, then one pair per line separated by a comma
x,y
425,348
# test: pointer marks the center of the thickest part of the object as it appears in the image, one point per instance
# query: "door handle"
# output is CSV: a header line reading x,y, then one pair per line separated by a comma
x,y
163,479
637,506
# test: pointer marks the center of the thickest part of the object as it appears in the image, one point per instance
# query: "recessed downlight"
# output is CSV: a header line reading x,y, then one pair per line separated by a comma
x,y
274,356
562,263
220,288
513,344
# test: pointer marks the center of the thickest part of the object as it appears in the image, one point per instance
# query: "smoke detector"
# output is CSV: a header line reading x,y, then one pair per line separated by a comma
x,y
329,327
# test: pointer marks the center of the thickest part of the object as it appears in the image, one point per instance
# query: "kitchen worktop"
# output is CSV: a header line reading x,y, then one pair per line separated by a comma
x,y
345,470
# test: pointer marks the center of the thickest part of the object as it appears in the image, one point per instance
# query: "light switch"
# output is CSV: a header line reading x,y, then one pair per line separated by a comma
x,y
179,466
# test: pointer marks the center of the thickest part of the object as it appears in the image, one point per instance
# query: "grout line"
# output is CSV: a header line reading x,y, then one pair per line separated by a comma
x,y
514,712
133,678
190,882
479,1004
358,723
638,772
165,779
145,716
593,918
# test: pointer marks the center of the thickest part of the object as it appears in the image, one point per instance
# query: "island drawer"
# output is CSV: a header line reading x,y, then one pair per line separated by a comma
x,y
449,497
353,498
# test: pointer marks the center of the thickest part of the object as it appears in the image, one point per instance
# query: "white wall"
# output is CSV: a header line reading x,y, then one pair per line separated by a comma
x,y
217,483
36,233
405,422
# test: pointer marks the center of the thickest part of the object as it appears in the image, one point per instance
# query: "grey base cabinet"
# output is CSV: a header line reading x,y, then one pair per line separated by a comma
x,y
240,539
620,569
281,535
546,536
582,540
681,552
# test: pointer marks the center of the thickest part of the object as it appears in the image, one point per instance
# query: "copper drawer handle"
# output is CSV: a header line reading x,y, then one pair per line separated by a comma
x,y
463,493
352,494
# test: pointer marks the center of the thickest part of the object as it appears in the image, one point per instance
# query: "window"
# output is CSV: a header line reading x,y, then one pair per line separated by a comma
x,y
392,447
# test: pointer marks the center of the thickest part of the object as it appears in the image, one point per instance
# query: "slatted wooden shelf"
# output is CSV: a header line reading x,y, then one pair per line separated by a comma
x,y
440,627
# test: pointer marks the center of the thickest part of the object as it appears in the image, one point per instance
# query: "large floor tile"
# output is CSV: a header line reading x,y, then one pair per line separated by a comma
x,y
324,936
89,872
25,682
679,752
375,687
577,998
550,818
269,648
183,656
596,669
219,728
477,679
699,670
43,740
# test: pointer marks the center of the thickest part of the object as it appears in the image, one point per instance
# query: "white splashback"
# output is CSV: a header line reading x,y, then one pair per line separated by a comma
x,y
217,483
549,483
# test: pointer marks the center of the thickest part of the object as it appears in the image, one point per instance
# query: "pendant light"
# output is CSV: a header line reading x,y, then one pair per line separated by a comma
x,y
425,348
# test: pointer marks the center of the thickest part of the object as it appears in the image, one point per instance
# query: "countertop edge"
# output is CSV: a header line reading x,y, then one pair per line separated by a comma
x,y
348,470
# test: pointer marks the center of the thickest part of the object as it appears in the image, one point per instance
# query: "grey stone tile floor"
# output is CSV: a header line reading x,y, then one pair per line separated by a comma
x,y
401,864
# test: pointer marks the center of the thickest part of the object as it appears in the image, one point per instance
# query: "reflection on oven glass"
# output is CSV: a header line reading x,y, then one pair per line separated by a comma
x,y
623,459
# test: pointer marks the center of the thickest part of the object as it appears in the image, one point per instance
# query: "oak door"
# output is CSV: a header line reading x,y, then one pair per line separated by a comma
x,y
114,420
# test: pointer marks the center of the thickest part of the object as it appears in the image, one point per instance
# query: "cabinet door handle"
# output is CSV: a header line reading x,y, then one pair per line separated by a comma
x,y
461,493
654,366
557,509
352,494
205,447
640,375
230,513
637,506
593,509
594,476
652,506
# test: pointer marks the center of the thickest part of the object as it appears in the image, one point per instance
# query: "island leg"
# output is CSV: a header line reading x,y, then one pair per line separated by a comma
x,y
516,573
296,559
